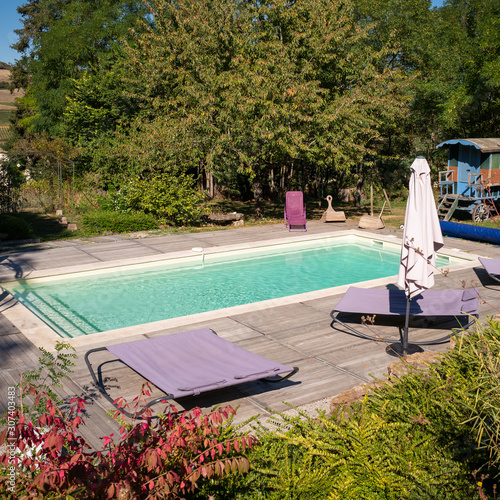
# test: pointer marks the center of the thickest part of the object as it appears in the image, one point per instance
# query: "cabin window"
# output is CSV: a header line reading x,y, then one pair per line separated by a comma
x,y
485,161
495,160
453,155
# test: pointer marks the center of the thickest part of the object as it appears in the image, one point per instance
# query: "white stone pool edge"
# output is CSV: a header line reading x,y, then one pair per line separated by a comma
x,y
43,336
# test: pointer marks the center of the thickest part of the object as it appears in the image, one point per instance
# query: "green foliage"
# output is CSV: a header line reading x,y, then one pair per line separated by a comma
x,y
363,456
11,179
96,107
262,97
39,194
14,228
166,459
115,200
117,222
173,200
431,433
300,91
474,367
52,369
62,41
472,107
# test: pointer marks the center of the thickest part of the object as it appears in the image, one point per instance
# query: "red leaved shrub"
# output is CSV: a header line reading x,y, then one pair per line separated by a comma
x,y
165,457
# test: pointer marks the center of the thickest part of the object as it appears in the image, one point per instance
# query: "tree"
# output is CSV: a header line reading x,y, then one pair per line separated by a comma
x,y
63,41
452,55
253,88
413,33
472,108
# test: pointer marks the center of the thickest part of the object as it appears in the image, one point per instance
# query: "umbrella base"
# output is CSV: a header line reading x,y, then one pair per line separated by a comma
x,y
396,349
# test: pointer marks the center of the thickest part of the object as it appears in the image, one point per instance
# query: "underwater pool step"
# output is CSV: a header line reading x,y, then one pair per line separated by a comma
x,y
58,315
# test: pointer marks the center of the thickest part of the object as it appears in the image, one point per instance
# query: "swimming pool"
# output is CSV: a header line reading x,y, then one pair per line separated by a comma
x,y
77,304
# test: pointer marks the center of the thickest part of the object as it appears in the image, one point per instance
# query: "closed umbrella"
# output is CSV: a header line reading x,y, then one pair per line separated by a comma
x,y
422,238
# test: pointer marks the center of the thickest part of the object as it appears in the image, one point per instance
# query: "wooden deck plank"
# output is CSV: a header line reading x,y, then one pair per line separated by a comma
x,y
18,352
7,327
279,318
314,381
330,361
7,380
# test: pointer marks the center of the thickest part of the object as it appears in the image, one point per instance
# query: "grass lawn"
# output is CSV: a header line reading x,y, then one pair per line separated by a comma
x,y
47,228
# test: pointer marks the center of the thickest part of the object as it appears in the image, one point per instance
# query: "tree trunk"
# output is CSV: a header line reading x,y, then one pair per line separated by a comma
x,y
359,186
258,193
282,180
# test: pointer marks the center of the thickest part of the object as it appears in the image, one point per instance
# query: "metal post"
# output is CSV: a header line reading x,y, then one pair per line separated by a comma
x,y
371,192
73,195
60,185
404,340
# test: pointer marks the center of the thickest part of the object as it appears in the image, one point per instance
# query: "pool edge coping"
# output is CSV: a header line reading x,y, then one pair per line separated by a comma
x,y
41,335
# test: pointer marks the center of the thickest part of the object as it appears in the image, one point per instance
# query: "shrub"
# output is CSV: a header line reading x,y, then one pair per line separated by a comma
x,y
118,222
11,179
429,434
458,398
363,456
115,200
171,199
167,458
52,369
14,228
39,194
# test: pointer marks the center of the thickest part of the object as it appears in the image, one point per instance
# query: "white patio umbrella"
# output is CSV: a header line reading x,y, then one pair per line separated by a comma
x,y
422,238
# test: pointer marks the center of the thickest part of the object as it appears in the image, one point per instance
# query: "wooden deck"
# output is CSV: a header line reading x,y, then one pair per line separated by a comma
x,y
299,334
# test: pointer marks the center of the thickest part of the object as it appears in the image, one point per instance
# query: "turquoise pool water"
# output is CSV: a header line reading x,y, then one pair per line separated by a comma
x,y
83,303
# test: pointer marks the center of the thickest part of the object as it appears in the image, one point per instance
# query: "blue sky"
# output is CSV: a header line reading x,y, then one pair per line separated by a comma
x,y
9,21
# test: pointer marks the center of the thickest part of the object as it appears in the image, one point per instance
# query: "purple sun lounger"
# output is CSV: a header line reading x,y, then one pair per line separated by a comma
x,y
295,211
189,363
430,303
492,267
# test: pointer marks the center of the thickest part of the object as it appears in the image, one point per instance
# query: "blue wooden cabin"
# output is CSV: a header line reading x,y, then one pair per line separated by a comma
x,y
471,181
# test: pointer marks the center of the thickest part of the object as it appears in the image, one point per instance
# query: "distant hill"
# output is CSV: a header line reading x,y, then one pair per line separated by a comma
x,y
7,99
4,65
4,75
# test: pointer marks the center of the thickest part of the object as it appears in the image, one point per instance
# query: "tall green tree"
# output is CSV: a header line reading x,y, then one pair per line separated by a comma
x,y
254,89
451,54
472,108
420,53
63,41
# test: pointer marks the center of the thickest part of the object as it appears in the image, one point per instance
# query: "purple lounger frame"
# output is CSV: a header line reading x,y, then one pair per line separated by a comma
x,y
492,267
189,363
295,211
430,303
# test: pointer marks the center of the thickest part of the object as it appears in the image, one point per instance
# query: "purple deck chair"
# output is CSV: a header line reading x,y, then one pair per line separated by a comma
x,y
430,303
189,363
295,211
492,267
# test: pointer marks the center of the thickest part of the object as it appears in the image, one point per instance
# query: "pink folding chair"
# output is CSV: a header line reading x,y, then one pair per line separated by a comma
x,y
295,211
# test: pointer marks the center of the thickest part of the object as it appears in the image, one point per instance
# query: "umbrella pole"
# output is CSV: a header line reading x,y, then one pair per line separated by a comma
x,y
404,340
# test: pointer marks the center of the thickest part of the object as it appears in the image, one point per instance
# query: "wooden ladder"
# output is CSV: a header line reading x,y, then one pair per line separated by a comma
x,y
447,205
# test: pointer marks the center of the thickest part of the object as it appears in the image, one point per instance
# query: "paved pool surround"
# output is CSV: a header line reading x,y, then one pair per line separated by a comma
x,y
297,333
44,336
